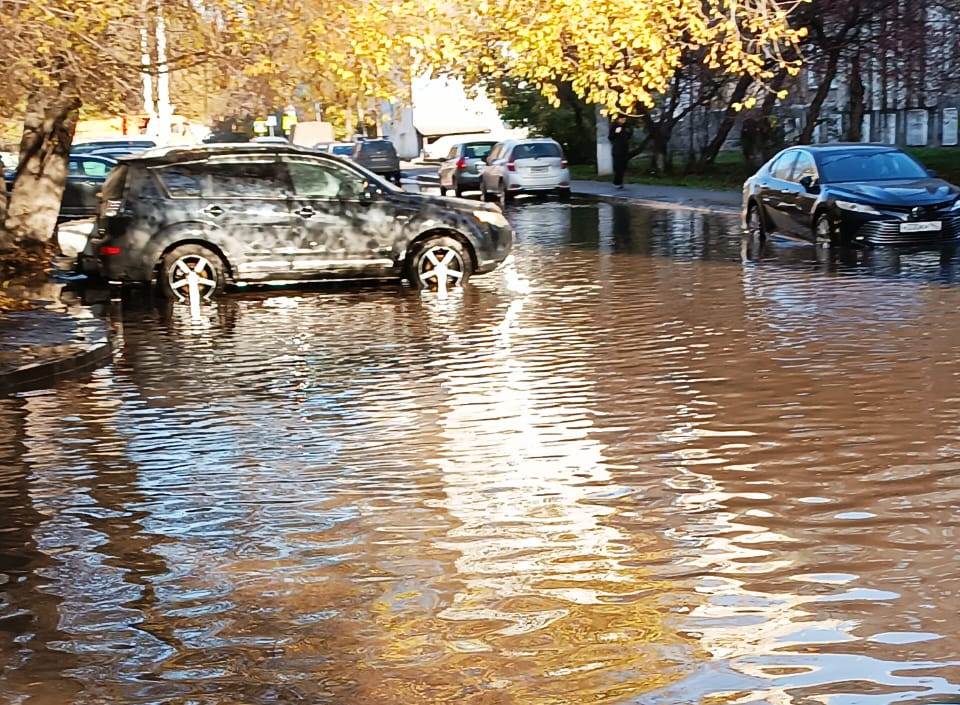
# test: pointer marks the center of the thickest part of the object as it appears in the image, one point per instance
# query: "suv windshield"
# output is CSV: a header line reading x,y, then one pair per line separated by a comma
x,y
869,166
535,150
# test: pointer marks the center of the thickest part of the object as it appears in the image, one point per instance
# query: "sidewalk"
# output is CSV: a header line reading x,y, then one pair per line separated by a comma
x,y
57,337
725,202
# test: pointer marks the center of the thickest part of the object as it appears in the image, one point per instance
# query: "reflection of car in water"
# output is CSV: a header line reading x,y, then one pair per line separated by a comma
x,y
842,194
213,215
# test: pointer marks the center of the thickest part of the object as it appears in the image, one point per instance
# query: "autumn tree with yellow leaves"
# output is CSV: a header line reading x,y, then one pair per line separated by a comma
x,y
620,54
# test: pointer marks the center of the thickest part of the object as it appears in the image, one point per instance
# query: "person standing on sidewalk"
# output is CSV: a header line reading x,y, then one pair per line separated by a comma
x,y
620,135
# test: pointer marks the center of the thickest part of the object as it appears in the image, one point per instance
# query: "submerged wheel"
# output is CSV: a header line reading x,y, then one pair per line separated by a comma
x,y
458,190
824,232
439,263
189,265
755,226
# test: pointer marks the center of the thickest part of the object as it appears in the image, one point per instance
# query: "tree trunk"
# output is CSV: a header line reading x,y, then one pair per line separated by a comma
x,y
857,106
34,203
823,90
3,201
729,119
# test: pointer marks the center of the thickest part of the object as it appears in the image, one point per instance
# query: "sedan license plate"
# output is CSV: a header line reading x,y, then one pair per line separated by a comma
x,y
934,226
540,169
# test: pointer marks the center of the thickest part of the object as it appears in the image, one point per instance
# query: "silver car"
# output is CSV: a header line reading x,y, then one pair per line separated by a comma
x,y
525,166
460,171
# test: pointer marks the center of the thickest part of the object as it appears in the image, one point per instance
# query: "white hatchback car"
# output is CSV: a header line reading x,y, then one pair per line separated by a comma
x,y
525,166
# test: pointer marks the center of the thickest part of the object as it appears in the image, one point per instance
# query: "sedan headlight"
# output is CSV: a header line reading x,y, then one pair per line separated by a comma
x,y
956,205
857,207
494,218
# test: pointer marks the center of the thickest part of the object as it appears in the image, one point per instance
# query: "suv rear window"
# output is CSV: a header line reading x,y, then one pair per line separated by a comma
x,y
182,180
477,151
533,150
381,147
242,179
253,179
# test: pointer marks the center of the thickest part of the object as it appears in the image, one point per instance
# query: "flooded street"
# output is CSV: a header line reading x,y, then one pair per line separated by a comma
x,y
647,463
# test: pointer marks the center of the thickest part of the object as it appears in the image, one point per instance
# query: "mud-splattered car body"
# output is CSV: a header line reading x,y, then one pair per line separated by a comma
x,y
276,213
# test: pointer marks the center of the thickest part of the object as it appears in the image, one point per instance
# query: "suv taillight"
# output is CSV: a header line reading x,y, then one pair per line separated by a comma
x,y
563,164
511,165
461,163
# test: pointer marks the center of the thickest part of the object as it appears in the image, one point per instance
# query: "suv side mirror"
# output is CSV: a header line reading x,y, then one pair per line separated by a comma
x,y
810,183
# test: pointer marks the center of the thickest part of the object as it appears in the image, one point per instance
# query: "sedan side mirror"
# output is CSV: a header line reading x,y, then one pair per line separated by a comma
x,y
810,183
932,174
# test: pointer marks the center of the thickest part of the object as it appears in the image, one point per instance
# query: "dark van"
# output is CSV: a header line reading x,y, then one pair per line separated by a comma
x,y
378,156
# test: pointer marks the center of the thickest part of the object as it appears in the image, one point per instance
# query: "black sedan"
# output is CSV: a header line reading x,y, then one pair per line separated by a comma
x,y
851,194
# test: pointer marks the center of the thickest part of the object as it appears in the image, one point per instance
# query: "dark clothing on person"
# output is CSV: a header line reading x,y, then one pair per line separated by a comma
x,y
620,141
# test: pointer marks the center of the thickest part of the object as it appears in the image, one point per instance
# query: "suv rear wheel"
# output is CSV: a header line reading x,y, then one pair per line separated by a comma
x,y
192,264
439,262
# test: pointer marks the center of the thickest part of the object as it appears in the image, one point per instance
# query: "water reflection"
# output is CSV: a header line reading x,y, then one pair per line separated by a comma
x,y
652,462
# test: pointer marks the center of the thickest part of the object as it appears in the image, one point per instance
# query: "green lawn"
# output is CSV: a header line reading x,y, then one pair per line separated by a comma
x,y
729,172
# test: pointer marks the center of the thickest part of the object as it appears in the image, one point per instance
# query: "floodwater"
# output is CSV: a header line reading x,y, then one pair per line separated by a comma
x,y
647,463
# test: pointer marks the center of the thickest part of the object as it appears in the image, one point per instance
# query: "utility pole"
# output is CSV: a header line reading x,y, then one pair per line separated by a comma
x,y
164,109
147,79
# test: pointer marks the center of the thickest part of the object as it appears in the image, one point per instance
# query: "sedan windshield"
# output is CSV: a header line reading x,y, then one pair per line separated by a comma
x,y
869,166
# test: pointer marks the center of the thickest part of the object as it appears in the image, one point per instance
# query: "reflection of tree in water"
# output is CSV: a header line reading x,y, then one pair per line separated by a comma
x,y
99,562
545,603
29,605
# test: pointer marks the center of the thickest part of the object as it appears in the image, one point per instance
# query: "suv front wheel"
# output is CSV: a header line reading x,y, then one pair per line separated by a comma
x,y
439,262
189,265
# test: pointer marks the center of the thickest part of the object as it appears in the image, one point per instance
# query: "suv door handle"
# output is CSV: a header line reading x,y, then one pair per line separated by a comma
x,y
306,212
215,211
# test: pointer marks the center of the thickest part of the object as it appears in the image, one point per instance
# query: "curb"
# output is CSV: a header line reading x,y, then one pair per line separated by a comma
x,y
84,357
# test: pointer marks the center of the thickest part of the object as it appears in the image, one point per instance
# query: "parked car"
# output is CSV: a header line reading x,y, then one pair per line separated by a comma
x,y
340,149
461,169
525,166
226,138
111,143
85,177
114,152
851,193
220,214
378,156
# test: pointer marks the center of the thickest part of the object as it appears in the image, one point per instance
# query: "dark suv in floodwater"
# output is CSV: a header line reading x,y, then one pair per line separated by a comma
x,y
217,214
